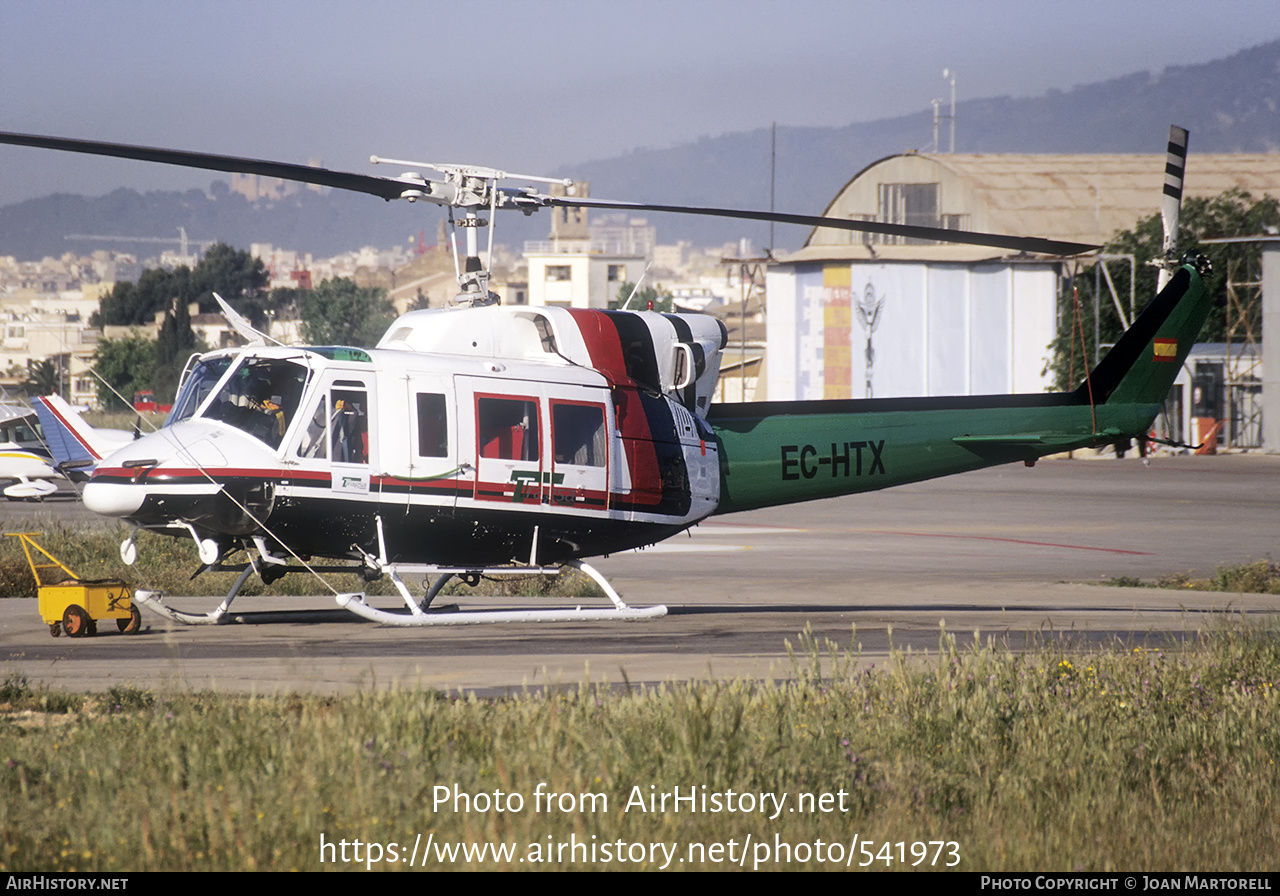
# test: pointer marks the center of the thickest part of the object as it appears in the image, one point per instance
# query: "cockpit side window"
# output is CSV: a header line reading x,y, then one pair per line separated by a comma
x,y
260,398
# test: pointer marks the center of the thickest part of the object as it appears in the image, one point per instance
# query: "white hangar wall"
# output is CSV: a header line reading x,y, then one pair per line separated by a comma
x,y
940,329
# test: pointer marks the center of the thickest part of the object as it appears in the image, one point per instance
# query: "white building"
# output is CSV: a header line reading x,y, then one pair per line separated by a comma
x,y
959,322
852,315
575,274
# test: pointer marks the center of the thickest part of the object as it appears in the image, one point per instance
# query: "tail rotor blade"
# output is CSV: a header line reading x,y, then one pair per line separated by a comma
x,y
1175,169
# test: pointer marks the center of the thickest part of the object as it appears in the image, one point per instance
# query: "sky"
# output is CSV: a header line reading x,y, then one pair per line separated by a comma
x,y
535,86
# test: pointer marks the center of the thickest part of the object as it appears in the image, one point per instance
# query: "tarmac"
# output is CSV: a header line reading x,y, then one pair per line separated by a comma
x,y
1009,555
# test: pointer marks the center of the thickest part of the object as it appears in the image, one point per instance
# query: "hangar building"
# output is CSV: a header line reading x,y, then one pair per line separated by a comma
x,y
853,315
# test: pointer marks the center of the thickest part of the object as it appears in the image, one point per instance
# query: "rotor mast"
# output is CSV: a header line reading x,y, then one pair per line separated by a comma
x,y
472,188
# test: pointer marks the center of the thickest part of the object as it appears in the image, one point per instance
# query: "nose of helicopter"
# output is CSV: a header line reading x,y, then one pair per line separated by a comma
x,y
156,466
118,499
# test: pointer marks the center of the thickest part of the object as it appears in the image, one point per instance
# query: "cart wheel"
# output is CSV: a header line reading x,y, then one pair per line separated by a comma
x,y
133,624
75,621
55,629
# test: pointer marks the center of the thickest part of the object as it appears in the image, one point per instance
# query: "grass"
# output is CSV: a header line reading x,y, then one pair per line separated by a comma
x,y
1254,577
1051,759
166,564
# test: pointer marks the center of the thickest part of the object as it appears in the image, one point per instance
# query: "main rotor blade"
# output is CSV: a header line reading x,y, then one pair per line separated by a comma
x,y
910,231
383,187
391,188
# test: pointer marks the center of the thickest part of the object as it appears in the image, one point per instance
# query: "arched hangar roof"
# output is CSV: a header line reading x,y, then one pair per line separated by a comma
x,y
1085,198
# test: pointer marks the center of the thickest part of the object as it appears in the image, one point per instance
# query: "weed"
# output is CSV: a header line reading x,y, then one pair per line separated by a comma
x,y
124,697
1059,757
16,688
167,564
1255,577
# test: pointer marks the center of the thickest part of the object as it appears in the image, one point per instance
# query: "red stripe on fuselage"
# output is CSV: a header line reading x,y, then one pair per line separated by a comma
x,y
604,345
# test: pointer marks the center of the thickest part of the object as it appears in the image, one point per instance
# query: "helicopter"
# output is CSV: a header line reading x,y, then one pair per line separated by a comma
x,y
485,438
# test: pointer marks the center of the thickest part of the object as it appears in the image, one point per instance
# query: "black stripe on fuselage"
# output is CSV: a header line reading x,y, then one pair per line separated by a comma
x,y
689,395
638,352
448,536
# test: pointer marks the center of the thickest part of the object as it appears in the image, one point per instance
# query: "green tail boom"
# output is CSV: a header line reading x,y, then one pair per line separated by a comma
x,y
783,452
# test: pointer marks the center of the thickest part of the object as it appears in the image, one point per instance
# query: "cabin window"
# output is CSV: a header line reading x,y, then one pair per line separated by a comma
x,y
315,441
349,426
545,335
433,426
578,434
21,432
507,428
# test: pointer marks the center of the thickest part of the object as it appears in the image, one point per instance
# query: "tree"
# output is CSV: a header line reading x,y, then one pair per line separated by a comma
x,y
175,344
1233,213
649,298
234,274
47,376
124,366
137,304
338,312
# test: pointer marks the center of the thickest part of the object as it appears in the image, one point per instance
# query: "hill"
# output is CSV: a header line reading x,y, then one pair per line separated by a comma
x,y
1229,105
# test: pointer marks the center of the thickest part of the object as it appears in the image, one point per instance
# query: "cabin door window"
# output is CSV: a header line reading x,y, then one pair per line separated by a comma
x,y
509,449
580,455
350,424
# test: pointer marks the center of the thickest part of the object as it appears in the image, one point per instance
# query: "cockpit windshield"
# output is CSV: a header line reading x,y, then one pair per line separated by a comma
x,y
197,385
260,397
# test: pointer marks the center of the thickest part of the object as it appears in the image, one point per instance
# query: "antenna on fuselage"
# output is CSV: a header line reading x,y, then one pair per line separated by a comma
x,y
241,325
635,289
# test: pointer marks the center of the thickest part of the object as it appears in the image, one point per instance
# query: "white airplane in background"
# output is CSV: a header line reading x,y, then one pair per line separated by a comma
x,y
76,446
23,456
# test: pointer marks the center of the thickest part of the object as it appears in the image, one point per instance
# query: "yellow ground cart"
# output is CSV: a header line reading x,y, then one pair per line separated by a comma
x,y
72,604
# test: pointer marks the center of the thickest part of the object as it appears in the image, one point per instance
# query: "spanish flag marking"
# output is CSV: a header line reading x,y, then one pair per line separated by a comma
x,y
1166,350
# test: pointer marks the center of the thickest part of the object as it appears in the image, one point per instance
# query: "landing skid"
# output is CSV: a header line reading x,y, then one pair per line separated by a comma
x,y
423,614
154,601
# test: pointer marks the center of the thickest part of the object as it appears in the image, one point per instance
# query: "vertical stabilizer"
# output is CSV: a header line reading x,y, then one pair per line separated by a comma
x,y
72,442
1142,365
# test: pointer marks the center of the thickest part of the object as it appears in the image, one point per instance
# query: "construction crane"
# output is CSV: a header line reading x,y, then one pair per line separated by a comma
x,y
182,240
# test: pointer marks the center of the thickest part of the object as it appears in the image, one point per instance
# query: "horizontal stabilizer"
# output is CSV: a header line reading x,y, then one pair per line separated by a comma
x,y
1037,440
1029,446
